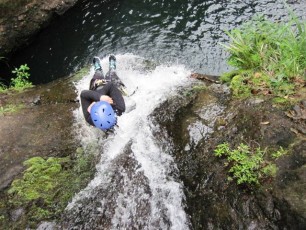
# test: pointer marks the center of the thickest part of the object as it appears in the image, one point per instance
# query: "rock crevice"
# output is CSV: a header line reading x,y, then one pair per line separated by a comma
x,y
21,20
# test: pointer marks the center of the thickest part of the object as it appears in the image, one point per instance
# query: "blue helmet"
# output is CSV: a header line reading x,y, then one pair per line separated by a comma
x,y
103,115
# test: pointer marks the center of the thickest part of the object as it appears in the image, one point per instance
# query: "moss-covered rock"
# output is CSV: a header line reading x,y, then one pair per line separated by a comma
x,y
213,201
40,134
45,188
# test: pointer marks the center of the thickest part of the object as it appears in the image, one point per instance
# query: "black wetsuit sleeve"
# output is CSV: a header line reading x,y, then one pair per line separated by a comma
x,y
87,97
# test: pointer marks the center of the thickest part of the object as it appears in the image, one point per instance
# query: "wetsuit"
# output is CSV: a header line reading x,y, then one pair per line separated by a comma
x,y
110,88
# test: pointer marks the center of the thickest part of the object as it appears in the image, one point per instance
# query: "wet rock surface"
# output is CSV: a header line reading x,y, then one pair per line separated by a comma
x,y
196,122
21,19
214,202
42,127
96,209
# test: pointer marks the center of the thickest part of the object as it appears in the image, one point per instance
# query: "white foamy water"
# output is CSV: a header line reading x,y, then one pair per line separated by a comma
x,y
165,199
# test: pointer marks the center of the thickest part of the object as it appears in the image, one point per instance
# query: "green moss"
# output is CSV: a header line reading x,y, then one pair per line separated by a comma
x,y
81,73
239,87
195,89
260,81
228,76
10,108
198,88
47,185
281,100
39,180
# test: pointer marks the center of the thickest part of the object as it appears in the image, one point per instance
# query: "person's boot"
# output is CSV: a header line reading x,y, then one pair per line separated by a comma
x,y
97,64
112,62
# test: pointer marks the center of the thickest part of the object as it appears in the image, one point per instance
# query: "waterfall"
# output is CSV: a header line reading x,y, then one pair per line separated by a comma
x,y
136,184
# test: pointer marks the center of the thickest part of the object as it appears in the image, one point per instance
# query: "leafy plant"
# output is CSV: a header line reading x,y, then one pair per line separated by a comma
x,y
22,78
247,166
279,153
47,185
270,57
2,87
39,179
9,108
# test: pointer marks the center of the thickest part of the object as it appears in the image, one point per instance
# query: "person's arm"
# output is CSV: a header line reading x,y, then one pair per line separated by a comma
x,y
87,98
111,90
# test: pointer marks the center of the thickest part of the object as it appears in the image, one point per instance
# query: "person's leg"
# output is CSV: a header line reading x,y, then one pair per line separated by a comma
x,y
98,73
97,63
112,68
112,62
111,90
111,75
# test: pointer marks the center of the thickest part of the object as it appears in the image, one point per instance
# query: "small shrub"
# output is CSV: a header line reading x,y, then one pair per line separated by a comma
x,y
248,166
22,78
20,82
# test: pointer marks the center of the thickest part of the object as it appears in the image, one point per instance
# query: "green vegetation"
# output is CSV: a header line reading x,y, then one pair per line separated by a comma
x,y
268,57
279,153
21,81
81,73
22,78
10,108
39,180
48,185
195,89
3,87
248,166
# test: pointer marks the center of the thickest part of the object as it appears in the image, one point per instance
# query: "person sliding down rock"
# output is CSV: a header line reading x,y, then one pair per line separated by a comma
x,y
103,102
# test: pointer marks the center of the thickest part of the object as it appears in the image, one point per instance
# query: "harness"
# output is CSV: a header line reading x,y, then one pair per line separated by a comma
x,y
100,83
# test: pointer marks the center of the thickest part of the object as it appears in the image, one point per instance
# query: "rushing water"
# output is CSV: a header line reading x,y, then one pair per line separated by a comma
x,y
136,184
180,31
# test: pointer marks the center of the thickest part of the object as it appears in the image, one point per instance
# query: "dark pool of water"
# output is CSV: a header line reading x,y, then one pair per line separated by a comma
x,y
186,32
